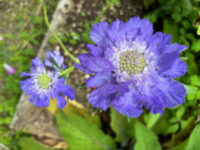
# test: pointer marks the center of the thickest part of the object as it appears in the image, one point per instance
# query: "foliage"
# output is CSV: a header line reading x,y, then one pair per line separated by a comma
x,y
18,47
170,131
78,131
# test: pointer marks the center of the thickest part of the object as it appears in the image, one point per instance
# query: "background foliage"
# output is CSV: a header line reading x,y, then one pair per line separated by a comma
x,y
177,129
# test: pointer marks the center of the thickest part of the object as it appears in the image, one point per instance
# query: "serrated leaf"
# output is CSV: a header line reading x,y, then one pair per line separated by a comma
x,y
26,142
151,119
83,135
195,80
194,139
146,139
123,127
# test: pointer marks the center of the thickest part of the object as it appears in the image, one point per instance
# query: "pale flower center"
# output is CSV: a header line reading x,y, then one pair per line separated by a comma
x,y
132,62
44,81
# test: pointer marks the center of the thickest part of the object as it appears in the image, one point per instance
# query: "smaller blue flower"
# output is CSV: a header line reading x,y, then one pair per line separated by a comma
x,y
43,84
55,60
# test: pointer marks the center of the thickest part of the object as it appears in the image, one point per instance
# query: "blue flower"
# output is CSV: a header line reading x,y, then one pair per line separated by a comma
x,y
132,68
55,60
43,84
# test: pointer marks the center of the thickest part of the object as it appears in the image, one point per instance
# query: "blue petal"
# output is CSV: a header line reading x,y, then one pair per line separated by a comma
x,y
116,32
95,64
99,100
175,48
32,98
98,32
99,79
69,92
61,102
27,86
178,69
103,96
54,57
166,61
42,101
155,102
128,104
94,50
158,41
37,65
146,28
64,89
83,69
176,94
25,74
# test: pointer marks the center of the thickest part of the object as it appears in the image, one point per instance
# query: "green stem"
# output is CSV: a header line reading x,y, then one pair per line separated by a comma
x,y
56,37
67,71
101,13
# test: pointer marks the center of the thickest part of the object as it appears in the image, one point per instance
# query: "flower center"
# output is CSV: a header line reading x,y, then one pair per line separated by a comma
x,y
44,81
131,62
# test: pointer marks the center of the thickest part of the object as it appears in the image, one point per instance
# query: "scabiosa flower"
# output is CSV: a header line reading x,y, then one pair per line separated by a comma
x,y
133,67
55,60
9,69
43,84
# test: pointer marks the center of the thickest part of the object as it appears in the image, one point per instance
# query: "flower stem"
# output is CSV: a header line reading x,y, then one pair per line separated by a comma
x,y
56,37
101,13
67,71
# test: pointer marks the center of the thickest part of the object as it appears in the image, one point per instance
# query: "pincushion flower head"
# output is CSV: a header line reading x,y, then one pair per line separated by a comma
x,y
132,68
44,81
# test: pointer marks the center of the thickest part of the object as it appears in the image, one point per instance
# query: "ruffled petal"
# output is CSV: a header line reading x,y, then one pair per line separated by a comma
x,y
166,61
176,94
175,48
178,69
116,32
95,64
128,104
103,96
98,33
158,41
25,74
144,25
37,65
99,79
83,69
42,101
32,98
94,50
61,102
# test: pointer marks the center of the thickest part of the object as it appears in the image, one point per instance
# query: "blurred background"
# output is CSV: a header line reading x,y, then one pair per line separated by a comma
x,y
24,34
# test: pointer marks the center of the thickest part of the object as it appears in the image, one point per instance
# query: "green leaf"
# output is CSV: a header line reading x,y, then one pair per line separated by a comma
x,y
194,139
195,80
123,127
180,146
151,119
83,135
26,142
146,139
189,89
192,95
198,30
196,45
171,28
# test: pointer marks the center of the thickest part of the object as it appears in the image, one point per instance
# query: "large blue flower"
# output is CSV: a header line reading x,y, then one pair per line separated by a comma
x,y
43,84
133,67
